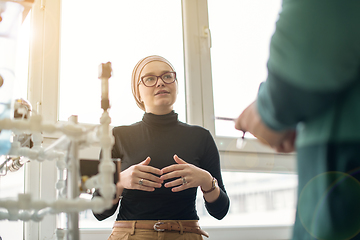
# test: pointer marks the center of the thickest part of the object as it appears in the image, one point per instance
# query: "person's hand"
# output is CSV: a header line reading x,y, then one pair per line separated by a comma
x,y
250,121
288,143
141,177
187,176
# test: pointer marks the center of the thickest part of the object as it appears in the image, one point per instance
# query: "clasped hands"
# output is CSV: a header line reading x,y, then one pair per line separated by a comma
x,y
141,176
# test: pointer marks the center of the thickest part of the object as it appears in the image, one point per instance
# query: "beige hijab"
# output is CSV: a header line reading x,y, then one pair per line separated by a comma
x,y
135,77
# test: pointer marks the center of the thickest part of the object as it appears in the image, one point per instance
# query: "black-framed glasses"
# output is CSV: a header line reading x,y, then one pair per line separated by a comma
x,y
151,80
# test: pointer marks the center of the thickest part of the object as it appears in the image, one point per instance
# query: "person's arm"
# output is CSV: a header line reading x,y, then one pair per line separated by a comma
x,y
107,213
216,207
314,58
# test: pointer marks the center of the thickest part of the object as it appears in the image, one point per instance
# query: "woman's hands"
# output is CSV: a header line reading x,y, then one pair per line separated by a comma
x,y
141,177
250,121
187,176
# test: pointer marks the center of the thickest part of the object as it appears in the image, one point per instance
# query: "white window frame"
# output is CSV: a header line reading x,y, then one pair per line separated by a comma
x,y
43,95
199,97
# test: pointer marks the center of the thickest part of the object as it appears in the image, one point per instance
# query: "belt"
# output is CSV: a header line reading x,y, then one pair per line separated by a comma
x,y
160,226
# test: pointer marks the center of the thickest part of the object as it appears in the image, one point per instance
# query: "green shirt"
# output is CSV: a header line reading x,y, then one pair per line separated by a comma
x,y
313,85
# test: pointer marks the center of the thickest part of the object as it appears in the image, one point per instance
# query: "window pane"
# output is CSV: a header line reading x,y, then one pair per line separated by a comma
x,y
22,59
10,186
12,183
265,199
122,32
241,32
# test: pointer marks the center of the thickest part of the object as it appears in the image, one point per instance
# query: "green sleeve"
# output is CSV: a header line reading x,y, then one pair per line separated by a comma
x,y
314,58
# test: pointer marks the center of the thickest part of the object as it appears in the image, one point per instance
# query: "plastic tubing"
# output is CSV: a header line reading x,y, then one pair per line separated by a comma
x,y
34,124
21,208
41,208
107,187
60,184
60,233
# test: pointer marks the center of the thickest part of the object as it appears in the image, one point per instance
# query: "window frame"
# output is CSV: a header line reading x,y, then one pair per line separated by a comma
x,y
43,95
199,95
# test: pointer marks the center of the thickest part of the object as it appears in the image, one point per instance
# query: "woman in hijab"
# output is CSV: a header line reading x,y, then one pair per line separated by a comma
x,y
163,162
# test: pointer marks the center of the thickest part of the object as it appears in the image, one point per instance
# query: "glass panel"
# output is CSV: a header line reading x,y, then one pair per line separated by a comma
x,y
241,32
122,32
9,35
265,199
22,59
12,183
10,186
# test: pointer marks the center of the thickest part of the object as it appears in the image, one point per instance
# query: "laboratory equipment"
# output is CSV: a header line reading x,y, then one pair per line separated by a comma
x,y
21,141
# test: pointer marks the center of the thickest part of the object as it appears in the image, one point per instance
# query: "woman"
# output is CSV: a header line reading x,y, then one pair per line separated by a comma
x,y
163,163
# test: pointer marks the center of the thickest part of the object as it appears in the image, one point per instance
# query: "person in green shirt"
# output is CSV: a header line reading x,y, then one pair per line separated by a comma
x,y
310,102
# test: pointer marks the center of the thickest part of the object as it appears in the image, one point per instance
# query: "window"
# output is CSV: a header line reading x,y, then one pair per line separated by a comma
x,y
122,32
265,199
93,33
256,199
22,59
240,32
12,183
10,186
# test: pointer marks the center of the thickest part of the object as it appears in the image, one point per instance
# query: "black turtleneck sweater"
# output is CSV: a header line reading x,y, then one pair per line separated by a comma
x,y
160,137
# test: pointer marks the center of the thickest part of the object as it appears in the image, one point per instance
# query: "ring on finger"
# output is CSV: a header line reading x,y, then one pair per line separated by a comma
x,y
183,181
141,182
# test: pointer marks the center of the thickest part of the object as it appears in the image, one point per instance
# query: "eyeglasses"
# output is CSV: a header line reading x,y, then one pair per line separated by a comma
x,y
151,80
